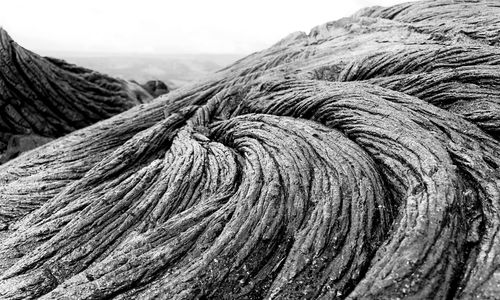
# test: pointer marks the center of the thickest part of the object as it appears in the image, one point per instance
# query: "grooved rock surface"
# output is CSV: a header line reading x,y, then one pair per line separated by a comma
x,y
41,96
359,161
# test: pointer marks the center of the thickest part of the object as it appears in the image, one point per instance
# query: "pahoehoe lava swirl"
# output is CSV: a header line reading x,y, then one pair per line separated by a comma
x,y
360,161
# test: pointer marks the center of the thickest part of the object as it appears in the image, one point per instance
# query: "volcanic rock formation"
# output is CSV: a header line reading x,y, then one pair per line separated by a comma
x,y
359,161
156,88
42,96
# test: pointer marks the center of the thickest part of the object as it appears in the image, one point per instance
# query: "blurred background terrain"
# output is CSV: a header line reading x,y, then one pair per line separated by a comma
x,y
172,41
174,69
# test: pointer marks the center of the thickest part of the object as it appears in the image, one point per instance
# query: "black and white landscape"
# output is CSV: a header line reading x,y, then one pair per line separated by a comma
x,y
360,160
175,70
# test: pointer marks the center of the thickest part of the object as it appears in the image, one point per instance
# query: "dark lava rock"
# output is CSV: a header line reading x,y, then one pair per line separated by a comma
x,y
359,161
156,88
49,97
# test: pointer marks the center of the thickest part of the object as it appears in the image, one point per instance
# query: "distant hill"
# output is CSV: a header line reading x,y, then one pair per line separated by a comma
x,y
175,70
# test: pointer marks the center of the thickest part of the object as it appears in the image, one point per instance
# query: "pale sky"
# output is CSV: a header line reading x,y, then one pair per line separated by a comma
x,y
163,27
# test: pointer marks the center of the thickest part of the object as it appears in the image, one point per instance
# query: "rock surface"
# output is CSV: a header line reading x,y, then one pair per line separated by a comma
x,y
41,96
156,88
359,161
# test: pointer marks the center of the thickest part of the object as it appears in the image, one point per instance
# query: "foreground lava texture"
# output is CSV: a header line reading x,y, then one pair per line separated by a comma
x,y
359,161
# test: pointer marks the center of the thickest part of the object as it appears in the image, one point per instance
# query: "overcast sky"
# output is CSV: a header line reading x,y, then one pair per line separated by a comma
x,y
159,27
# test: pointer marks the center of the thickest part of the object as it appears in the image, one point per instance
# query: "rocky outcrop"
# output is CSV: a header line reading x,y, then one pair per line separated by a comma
x,y
359,161
41,96
156,88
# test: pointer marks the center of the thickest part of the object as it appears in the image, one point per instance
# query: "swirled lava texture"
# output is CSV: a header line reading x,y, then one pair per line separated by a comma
x,y
358,161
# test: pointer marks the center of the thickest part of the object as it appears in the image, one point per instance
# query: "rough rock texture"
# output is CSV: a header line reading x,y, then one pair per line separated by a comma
x,y
156,88
41,96
18,144
359,161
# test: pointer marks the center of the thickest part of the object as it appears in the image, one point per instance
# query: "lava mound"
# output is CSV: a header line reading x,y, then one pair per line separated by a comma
x,y
156,87
42,97
359,161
